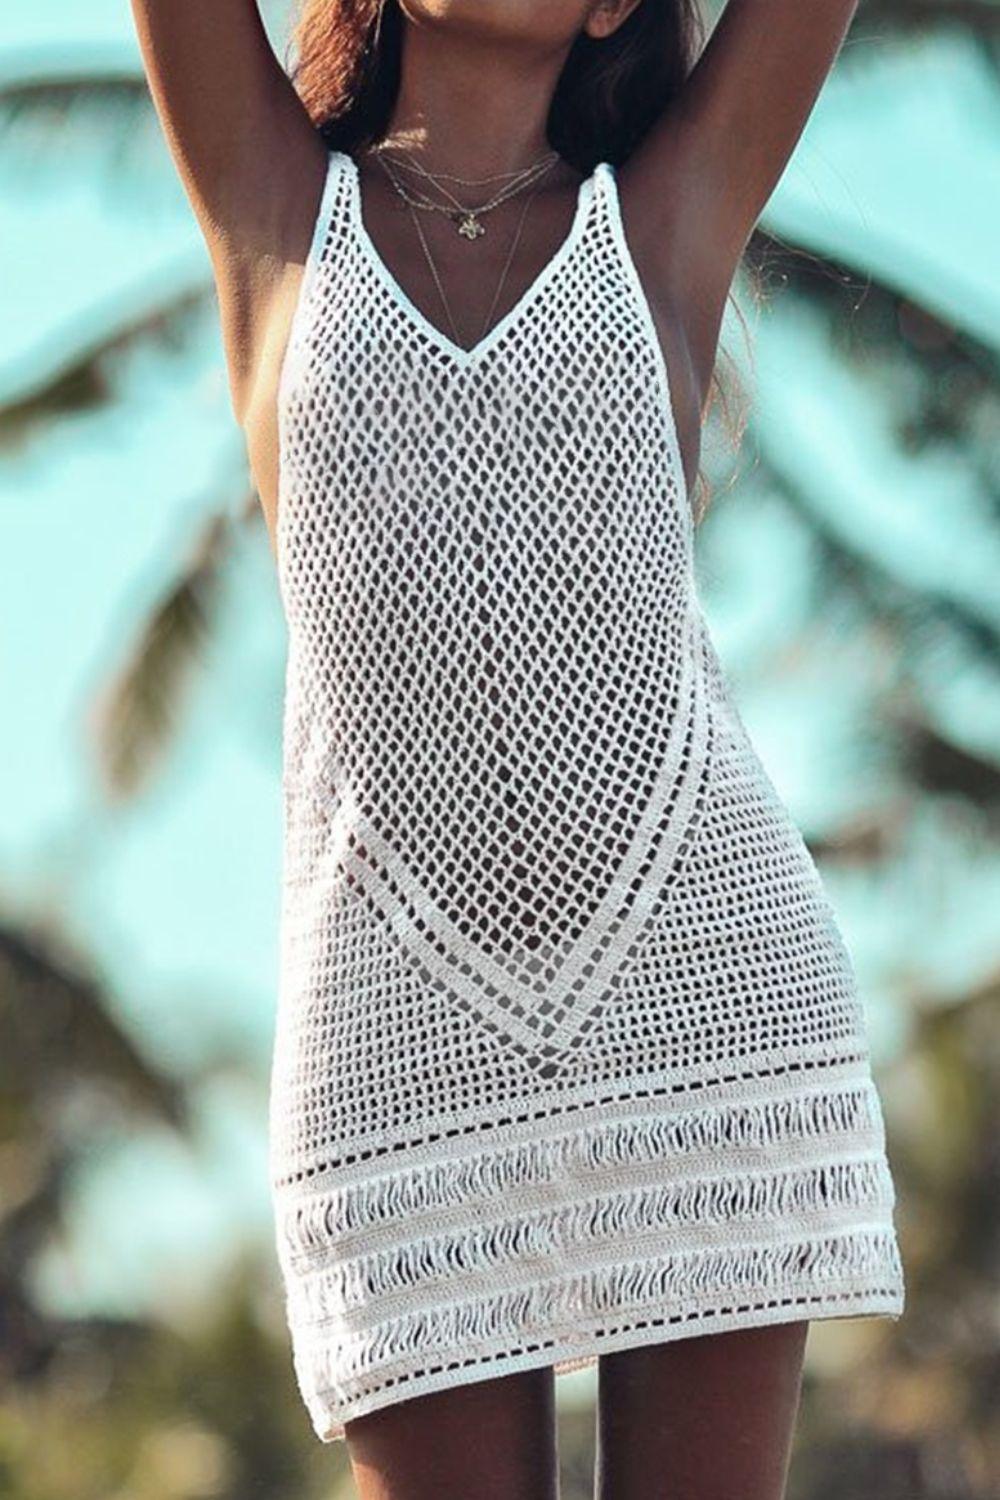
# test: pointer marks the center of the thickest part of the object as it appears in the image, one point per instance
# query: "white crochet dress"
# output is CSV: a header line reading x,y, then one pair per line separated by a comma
x,y
569,1054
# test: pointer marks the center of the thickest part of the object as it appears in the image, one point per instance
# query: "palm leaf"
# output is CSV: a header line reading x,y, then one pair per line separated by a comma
x,y
134,719
59,1033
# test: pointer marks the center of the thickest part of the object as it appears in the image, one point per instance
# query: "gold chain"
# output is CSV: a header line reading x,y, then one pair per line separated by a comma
x,y
467,220
476,181
503,275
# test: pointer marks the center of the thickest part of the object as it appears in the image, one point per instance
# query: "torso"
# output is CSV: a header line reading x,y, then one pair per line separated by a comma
x,y
260,419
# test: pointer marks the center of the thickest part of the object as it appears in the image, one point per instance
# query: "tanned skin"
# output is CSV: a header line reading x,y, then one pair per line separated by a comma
x,y
702,1418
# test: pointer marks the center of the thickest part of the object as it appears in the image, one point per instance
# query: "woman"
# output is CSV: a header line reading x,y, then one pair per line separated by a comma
x,y
570,1064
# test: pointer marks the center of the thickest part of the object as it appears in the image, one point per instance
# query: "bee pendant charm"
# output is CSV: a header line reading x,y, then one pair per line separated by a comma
x,y
469,227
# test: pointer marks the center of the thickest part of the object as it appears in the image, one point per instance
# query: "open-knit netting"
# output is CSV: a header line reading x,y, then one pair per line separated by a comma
x,y
569,1052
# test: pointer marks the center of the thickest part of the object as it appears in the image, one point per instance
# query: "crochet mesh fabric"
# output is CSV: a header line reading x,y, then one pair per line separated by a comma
x,y
569,1054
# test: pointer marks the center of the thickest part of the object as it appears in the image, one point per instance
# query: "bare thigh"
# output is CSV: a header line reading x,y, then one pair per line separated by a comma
x,y
493,1439
705,1418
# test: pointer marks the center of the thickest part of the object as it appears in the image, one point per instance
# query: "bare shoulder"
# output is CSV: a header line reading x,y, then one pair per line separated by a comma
x,y
647,230
257,301
258,262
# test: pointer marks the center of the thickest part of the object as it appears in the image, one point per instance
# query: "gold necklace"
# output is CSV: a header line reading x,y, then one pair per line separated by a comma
x,y
467,220
477,181
503,275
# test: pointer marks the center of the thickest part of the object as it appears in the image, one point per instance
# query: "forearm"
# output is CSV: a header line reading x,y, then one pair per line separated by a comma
x,y
766,62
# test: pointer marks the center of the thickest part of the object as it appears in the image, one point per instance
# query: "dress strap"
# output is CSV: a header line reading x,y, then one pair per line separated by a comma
x,y
325,211
318,244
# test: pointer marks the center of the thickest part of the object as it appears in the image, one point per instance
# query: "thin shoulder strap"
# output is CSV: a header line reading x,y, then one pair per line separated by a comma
x,y
317,253
609,184
324,215
609,177
608,181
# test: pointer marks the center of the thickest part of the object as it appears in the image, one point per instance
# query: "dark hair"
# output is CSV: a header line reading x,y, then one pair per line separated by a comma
x,y
346,71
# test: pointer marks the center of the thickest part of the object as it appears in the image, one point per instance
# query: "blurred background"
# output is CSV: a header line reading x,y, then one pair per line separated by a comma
x,y
850,568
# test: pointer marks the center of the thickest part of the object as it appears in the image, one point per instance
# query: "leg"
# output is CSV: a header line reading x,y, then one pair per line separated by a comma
x,y
704,1418
493,1439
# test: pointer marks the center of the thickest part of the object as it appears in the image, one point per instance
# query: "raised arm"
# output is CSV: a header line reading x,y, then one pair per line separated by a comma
x,y
693,189
247,153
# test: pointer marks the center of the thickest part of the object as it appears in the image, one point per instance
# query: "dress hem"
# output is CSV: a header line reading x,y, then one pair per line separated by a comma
x,y
569,1353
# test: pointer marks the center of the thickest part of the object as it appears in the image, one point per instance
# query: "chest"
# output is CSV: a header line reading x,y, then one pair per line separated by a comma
x,y
356,386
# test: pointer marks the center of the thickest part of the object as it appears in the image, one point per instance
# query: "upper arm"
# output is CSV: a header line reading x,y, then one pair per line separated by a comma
x,y
249,157
697,182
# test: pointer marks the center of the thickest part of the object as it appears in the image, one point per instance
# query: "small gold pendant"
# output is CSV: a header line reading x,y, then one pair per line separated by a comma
x,y
469,227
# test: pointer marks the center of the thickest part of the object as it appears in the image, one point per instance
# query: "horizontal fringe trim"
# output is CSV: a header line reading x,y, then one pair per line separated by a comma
x,y
472,1259
580,1350
309,1226
343,1366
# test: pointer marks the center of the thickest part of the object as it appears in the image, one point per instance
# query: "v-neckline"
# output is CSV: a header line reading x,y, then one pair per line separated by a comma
x,y
461,356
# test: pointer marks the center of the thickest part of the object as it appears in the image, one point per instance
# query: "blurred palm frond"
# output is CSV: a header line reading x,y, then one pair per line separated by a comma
x,y
134,718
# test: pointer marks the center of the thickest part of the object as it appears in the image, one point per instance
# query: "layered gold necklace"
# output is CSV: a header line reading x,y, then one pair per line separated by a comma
x,y
468,220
